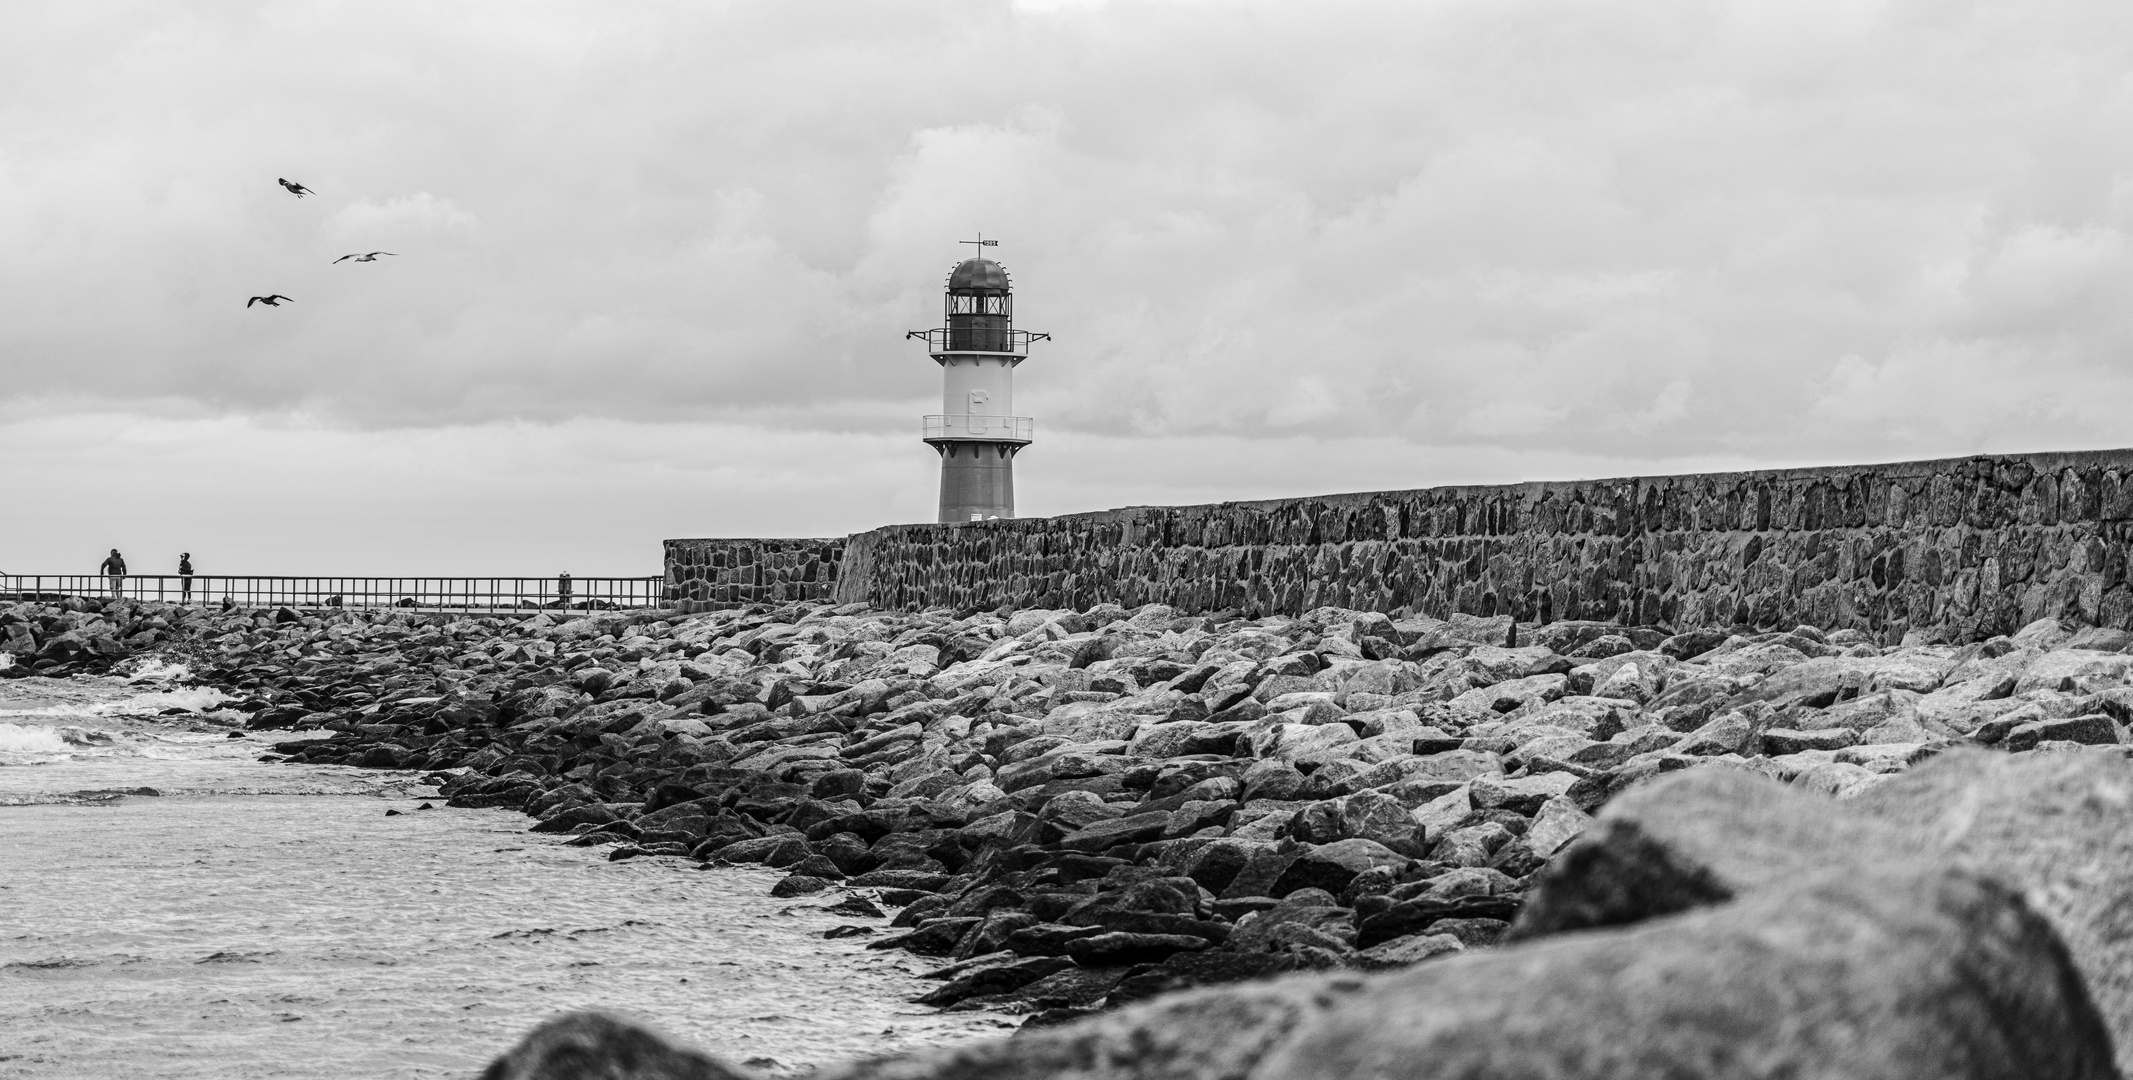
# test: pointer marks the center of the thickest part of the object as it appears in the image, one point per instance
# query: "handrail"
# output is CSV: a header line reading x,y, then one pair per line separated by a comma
x,y
417,592
980,339
977,427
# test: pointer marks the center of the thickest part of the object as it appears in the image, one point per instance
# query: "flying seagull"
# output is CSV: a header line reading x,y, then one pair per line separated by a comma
x,y
295,188
372,257
270,301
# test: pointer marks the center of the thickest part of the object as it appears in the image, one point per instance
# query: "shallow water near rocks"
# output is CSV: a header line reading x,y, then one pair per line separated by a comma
x,y
263,920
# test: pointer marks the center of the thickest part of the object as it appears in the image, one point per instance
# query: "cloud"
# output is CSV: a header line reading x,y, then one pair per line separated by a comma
x,y
1649,232
396,219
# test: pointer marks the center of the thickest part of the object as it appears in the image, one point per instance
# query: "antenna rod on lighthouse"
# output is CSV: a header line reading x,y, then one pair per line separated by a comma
x,y
976,431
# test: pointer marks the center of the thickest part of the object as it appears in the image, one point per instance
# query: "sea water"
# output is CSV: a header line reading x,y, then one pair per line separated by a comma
x,y
250,919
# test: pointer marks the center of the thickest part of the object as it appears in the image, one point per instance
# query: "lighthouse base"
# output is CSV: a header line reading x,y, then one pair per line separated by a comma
x,y
977,480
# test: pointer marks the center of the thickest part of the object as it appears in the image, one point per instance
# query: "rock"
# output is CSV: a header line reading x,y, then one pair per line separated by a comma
x,y
1780,741
1457,766
1072,810
1531,693
1726,733
779,851
1694,643
1523,795
1305,916
2089,730
1332,866
798,885
1217,865
2059,828
919,880
566,820
1048,939
1306,743
1367,815
933,937
994,979
1071,987
2100,639
1132,829
1891,976
2075,671
589,1046
1402,952
1472,933
1114,948
1838,779
858,906
1272,780
1419,916
1557,822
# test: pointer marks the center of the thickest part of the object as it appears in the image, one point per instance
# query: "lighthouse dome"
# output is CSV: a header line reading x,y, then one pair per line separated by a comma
x,y
978,276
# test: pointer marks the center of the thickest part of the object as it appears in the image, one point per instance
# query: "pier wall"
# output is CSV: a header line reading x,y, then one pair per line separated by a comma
x,y
705,574
1955,549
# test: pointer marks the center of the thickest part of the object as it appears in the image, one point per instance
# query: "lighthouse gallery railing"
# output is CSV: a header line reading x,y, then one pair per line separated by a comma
x,y
976,426
986,339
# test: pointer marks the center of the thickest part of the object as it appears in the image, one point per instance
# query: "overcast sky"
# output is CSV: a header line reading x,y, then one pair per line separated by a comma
x,y
656,259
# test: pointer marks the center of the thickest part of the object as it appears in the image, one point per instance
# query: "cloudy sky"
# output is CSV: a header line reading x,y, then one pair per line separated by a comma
x,y
656,259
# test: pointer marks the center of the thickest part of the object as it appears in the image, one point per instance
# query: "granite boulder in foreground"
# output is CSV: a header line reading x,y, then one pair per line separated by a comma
x,y
2057,827
1897,939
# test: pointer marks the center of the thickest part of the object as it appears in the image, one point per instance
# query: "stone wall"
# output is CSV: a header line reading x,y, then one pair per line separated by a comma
x,y
1956,549
704,574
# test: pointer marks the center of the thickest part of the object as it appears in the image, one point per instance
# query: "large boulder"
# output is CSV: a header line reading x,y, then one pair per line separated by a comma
x,y
589,1046
2058,827
1925,974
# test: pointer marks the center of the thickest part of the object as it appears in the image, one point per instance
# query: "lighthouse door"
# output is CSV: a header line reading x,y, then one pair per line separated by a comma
x,y
976,421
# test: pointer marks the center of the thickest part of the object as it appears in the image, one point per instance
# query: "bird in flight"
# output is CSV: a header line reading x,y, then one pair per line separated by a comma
x,y
372,257
295,188
270,301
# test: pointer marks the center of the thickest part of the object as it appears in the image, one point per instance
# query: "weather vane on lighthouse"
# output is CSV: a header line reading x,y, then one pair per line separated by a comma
x,y
976,433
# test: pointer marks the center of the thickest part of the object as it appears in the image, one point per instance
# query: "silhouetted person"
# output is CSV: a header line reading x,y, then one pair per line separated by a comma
x,y
114,570
185,577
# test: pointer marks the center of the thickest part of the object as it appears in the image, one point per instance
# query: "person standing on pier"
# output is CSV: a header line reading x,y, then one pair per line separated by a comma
x,y
185,577
114,570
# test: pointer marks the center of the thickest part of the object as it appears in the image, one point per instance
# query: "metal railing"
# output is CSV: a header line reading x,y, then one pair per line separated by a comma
x,y
488,594
984,339
974,426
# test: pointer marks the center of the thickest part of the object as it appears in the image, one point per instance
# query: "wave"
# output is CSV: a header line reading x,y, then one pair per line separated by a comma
x,y
197,699
158,669
97,797
16,739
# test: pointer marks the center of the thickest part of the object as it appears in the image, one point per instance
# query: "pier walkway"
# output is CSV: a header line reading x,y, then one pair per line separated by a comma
x,y
431,593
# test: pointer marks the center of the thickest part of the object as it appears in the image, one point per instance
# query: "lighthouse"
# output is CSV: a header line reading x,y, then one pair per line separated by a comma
x,y
976,431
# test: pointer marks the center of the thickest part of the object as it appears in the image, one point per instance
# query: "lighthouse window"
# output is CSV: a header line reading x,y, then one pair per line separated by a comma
x,y
980,305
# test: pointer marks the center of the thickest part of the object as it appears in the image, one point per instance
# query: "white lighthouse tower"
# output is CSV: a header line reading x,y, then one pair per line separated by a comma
x,y
976,430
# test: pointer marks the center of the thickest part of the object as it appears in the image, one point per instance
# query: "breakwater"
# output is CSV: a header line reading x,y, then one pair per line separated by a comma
x,y
1074,811
1957,550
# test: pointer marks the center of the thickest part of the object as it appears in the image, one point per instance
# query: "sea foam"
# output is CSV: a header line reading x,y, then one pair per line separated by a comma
x,y
16,739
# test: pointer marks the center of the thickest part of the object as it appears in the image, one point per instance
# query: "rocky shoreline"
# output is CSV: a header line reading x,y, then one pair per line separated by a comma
x,y
1074,811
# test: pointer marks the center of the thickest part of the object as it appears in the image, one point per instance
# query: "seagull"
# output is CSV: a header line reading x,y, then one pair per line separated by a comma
x,y
270,301
372,257
295,188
